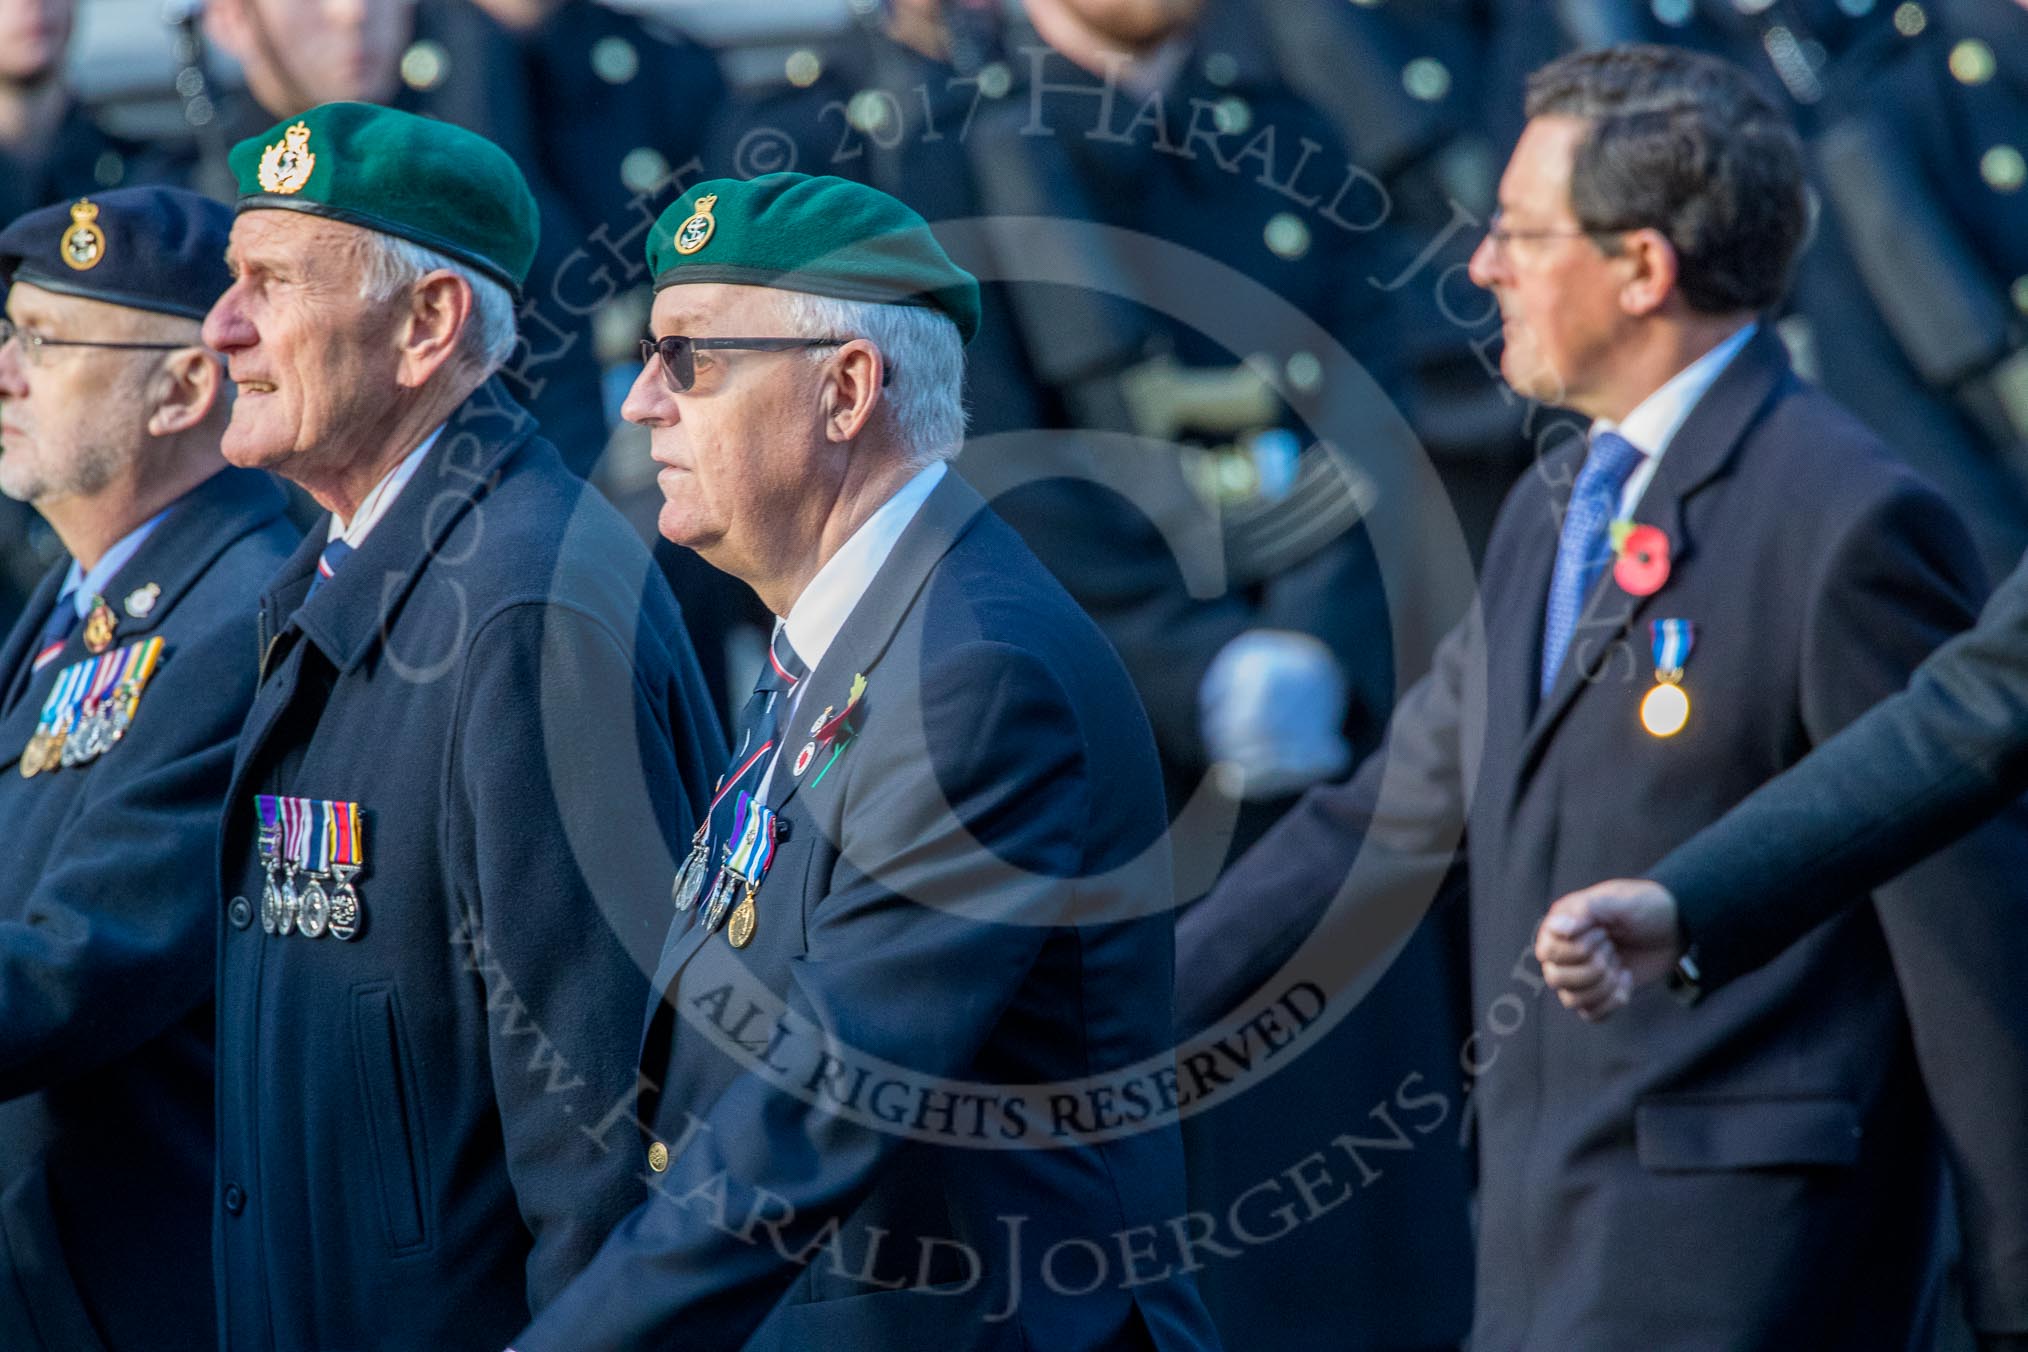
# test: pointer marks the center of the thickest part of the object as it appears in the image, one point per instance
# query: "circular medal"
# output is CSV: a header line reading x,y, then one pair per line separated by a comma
x,y
344,922
1665,710
804,757
31,755
286,921
316,910
271,906
740,931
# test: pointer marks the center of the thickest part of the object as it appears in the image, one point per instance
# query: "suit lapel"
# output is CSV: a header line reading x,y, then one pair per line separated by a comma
x,y
17,655
950,509
946,514
1699,452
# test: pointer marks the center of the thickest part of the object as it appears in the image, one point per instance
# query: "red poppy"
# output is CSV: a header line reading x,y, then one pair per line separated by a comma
x,y
1644,562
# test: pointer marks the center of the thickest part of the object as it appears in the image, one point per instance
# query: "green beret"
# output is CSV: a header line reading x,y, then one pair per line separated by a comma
x,y
826,236
413,177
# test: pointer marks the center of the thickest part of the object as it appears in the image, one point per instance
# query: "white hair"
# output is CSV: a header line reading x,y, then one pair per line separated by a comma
x,y
924,356
391,265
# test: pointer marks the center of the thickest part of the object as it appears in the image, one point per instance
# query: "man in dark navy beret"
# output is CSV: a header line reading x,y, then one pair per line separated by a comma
x,y
479,738
122,692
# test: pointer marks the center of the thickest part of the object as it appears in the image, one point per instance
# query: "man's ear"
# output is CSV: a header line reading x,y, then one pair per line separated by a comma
x,y
1651,266
186,387
225,24
439,309
857,377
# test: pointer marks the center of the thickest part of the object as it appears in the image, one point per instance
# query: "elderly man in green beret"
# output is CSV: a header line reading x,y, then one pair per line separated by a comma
x,y
478,738
906,1074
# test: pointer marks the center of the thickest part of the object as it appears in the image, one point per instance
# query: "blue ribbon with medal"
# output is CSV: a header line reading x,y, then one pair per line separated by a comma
x,y
1665,710
747,858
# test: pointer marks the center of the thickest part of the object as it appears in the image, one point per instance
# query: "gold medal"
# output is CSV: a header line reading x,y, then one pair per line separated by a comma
x,y
740,930
32,755
99,626
1665,709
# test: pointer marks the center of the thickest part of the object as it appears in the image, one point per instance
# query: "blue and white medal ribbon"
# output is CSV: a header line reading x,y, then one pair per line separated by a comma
x,y
1666,709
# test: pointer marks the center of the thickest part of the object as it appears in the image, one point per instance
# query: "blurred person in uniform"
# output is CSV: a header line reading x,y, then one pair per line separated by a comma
x,y
122,692
51,146
295,54
478,741
1284,670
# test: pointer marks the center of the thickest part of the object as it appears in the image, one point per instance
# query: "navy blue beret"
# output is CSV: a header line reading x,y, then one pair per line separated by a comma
x,y
147,248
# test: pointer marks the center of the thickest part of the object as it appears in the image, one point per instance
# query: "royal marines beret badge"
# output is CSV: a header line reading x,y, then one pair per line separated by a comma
x,y
83,243
286,165
695,232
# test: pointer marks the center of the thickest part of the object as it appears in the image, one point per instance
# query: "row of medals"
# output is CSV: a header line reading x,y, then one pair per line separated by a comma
x,y
66,747
690,882
311,909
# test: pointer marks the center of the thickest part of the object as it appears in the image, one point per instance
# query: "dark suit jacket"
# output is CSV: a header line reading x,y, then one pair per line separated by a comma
x,y
108,907
499,679
970,901
1755,1171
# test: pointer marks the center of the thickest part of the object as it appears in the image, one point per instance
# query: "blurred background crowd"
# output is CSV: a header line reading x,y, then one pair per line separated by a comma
x,y
1233,378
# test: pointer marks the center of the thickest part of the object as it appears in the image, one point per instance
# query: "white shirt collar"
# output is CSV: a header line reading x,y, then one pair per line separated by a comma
x,y
820,612
83,587
1655,420
374,506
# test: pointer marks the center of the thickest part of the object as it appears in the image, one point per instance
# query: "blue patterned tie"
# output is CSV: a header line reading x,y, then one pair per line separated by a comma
x,y
334,554
1584,548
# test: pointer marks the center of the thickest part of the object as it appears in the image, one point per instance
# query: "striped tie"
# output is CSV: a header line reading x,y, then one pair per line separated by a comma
x,y
56,631
759,723
334,554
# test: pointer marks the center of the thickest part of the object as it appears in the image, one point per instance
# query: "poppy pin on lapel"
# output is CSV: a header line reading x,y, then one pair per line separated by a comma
x,y
1643,563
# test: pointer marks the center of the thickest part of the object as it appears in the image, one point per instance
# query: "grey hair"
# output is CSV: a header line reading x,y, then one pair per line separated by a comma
x,y
390,265
925,362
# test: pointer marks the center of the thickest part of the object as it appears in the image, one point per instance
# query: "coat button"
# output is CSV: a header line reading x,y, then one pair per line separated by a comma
x,y
235,1199
239,913
658,1156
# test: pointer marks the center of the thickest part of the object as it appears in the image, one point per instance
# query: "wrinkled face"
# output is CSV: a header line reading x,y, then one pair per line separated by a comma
x,y
33,37
300,53
312,359
1558,291
743,454
71,418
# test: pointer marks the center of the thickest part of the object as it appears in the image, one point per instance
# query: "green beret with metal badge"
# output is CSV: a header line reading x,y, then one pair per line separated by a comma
x,y
412,177
825,236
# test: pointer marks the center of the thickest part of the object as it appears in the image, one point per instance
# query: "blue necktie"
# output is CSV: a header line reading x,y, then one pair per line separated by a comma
x,y
334,554
56,631
1584,548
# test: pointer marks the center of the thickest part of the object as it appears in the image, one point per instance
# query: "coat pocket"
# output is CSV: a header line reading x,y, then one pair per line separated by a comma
x,y
1690,1134
388,1099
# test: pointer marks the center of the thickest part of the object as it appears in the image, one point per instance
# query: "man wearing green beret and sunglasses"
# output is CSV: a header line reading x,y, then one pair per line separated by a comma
x,y
928,907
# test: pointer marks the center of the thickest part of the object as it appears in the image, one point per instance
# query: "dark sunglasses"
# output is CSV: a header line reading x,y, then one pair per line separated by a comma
x,y
678,353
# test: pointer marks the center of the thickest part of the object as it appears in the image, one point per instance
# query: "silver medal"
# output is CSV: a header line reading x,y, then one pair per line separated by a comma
x,y
290,902
315,910
346,912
